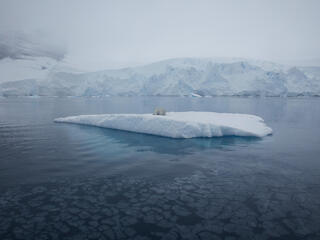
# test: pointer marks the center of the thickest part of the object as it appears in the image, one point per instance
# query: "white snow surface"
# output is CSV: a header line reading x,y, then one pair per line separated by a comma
x,y
179,124
42,76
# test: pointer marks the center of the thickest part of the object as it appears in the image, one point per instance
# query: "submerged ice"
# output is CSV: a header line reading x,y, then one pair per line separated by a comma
x,y
179,124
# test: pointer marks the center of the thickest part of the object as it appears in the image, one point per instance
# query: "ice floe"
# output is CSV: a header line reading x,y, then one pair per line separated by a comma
x,y
179,124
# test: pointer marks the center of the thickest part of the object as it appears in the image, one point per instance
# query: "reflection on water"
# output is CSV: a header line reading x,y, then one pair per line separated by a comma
x,y
80,182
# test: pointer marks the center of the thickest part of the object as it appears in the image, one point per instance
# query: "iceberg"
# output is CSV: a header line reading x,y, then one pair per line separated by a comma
x,y
178,124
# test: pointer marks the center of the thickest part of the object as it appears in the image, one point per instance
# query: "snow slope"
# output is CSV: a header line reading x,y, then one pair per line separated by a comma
x,y
25,68
179,124
175,77
26,61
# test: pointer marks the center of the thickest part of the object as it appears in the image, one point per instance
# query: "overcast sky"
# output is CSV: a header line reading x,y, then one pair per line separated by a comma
x,y
107,34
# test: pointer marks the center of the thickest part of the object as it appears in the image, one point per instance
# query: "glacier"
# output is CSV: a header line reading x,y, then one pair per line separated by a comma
x,y
43,76
178,124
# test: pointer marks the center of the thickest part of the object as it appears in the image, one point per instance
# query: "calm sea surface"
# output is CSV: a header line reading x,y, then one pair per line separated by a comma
x,y
65,181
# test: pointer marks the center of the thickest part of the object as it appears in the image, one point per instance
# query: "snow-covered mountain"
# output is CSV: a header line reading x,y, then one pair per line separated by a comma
x,y
183,76
18,45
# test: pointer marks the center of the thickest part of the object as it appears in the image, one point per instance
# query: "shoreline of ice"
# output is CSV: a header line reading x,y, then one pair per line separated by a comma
x,y
178,124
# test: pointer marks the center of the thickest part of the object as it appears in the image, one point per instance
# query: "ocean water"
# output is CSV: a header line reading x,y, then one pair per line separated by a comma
x,y
65,181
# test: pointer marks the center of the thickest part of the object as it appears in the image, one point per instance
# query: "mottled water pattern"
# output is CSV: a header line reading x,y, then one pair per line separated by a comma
x,y
60,181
